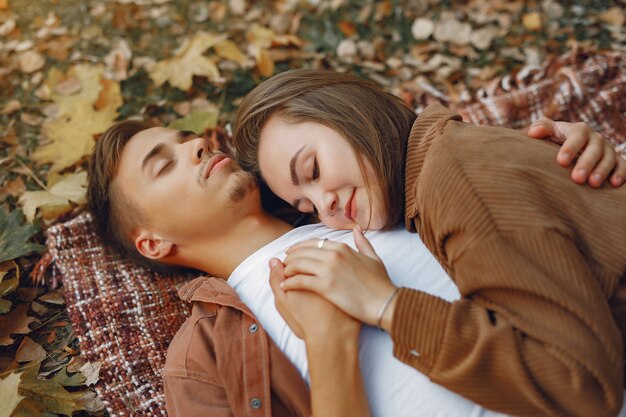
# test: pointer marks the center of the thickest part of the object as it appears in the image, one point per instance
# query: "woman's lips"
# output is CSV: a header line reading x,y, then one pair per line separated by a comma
x,y
350,210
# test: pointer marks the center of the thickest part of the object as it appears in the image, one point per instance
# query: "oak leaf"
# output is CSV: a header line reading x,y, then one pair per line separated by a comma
x,y
30,351
9,395
56,200
82,115
189,61
14,237
14,322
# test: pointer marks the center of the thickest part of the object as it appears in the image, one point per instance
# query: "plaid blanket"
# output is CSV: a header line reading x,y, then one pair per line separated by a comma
x,y
125,316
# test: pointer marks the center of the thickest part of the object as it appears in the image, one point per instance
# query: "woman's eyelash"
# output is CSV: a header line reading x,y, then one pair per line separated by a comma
x,y
316,169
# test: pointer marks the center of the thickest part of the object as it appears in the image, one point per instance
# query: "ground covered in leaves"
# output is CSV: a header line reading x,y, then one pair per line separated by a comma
x,y
69,68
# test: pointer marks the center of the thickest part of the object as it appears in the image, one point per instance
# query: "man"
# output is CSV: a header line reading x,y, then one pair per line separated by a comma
x,y
166,196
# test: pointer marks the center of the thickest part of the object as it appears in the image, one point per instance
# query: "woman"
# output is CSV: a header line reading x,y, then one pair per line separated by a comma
x,y
538,329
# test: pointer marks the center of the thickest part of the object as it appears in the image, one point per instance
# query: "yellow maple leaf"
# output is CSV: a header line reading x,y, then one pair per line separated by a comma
x,y
229,50
56,200
82,115
9,395
187,62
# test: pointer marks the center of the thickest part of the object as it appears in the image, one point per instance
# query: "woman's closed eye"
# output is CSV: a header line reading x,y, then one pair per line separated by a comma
x,y
316,170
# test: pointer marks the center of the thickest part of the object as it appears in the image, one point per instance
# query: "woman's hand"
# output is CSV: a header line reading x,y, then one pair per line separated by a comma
x,y
308,314
597,156
356,282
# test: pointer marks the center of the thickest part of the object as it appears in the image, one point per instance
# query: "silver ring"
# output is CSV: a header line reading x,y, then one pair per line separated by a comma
x,y
320,243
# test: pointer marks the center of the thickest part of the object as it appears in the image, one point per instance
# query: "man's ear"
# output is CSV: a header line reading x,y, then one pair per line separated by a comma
x,y
153,247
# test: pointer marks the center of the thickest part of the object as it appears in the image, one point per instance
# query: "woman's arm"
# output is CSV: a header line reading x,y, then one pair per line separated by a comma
x,y
331,339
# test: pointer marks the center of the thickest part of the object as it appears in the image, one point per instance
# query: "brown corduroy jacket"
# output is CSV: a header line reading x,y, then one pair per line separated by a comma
x,y
222,363
540,263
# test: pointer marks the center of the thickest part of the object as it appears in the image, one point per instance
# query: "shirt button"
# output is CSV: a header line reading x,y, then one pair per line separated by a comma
x,y
255,403
253,328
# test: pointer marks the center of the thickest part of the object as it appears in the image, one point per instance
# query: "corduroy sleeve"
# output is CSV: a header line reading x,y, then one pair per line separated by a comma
x,y
533,334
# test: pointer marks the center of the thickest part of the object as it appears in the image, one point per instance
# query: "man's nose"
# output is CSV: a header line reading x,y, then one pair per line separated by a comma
x,y
199,149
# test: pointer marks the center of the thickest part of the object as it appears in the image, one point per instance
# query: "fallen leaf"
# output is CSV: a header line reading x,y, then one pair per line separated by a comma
x,y
11,106
15,187
422,28
31,61
260,36
9,285
14,322
532,21
614,16
30,351
91,371
75,380
196,121
347,28
27,409
9,395
69,86
229,50
482,38
89,402
118,60
264,62
14,236
189,61
451,30
5,306
56,200
78,121
55,297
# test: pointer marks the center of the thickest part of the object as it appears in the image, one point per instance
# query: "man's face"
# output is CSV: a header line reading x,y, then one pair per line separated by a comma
x,y
183,189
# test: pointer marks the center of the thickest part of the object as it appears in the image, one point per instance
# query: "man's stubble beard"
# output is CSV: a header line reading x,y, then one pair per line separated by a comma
x,y
243,184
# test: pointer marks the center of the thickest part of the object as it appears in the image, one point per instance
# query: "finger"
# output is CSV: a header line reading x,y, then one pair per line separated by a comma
x,y
303,265
603,168
576,138
303,282
587,161
363,244
541,128
276,278
619,173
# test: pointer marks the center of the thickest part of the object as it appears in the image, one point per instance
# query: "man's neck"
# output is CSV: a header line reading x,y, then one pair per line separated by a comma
x,y
220,257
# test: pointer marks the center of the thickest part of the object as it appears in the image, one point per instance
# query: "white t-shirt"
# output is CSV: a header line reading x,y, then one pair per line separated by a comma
x,y
393,388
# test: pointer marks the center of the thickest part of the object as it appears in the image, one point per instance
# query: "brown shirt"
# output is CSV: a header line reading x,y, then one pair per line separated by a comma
x,y
540,263
222,363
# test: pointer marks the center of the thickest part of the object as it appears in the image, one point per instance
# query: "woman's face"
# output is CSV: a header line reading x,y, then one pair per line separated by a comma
x,y
314,168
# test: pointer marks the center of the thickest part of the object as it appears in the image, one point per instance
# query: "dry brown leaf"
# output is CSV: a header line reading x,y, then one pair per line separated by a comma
x,y
347,28
11,106
30,351
118,60
264,62
72,132
59,48
229,50
55,297
13,188
9,395
31,61
189,61
532,21
614,16
482,38
56,200
91,371
260,36
14,322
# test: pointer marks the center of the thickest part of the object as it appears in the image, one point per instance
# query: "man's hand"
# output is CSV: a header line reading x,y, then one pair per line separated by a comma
x,y
597,157
308,314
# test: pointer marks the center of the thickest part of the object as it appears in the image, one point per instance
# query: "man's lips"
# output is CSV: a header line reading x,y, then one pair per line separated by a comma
x,y
214,164
350,210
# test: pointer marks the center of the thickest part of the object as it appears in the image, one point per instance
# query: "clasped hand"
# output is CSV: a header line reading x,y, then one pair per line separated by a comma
x,y
355,281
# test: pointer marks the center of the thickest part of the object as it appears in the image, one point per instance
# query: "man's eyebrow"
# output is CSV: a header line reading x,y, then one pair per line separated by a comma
x,y
184,134
153,152
292,167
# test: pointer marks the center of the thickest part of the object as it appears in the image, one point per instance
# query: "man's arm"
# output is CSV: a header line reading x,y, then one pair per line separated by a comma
x,y
331,339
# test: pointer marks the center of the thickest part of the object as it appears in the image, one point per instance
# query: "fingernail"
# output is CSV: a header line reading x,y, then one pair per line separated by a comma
x,y
597,177
282,284
273,262
581,171
565,155
618,179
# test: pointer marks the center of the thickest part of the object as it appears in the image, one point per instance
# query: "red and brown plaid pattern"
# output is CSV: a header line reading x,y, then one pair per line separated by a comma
x,y
125,315
574,87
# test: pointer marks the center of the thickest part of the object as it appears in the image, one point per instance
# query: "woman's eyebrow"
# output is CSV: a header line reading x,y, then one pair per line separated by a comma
x,y
292,166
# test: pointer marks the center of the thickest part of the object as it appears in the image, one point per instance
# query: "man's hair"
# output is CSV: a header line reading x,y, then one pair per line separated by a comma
x,y
375,123
115,216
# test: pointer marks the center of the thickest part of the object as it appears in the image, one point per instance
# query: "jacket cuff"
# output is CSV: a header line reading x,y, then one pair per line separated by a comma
x,y
418,327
